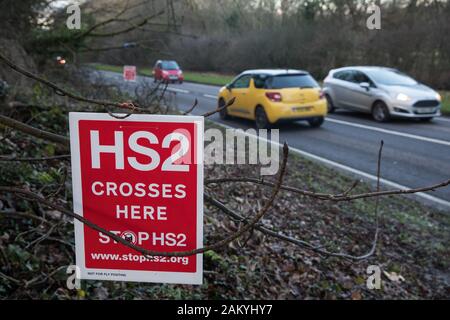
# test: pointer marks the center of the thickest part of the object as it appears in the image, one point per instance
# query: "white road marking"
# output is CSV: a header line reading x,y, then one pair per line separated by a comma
x,y
442,119
178,90
396,133
210,96
390,183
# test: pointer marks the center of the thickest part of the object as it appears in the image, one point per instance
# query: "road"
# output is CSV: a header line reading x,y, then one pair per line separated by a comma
x,y
415,154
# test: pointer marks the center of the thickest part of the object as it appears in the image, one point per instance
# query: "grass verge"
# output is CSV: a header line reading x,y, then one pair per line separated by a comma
x,y
210,78
445,102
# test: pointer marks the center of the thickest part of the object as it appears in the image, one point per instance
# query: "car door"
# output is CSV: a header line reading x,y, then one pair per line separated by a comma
x,y
240,90
338,85
347,90
362,97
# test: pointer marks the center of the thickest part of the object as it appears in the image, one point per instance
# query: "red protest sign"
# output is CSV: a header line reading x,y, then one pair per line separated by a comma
x,y
129,73
140,178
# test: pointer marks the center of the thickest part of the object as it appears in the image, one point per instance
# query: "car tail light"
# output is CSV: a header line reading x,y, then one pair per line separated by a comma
x,y
274,96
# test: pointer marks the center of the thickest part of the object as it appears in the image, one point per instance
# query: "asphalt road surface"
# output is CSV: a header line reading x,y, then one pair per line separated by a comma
x,y
415,154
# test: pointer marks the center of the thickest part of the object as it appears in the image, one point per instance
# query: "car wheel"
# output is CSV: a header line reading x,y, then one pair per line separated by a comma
x,y
316,122
180,82
224,112
428,119
330,105
380,112
261,120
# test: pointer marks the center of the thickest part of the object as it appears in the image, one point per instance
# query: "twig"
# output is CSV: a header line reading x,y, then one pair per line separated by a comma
x,y
6,277
62,92
9,158
191,108
38,133
331,197
229,103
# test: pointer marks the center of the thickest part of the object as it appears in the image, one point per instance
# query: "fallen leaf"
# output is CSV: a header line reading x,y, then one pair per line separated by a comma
x,y
356,295
394,277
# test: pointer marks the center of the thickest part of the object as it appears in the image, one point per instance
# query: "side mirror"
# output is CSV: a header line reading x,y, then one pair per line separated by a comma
x,y
228,86
365,85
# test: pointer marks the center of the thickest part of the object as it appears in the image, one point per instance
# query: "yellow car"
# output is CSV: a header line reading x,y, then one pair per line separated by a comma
x,y
273,96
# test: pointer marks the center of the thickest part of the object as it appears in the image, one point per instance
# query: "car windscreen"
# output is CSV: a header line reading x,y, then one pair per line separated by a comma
x,y
291,81
391,78
170,65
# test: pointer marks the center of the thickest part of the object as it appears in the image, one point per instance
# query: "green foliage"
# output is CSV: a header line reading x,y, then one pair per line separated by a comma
x,y
445,102
19,258
55,40
215,259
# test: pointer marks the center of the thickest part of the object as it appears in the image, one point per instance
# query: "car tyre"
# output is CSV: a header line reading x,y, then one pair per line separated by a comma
x,y
380,112
330,105
224,112
261,120
316,122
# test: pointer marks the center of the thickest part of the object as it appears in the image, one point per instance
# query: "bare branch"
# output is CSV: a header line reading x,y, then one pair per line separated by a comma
x,y
126,30
24,159
115,18
58,90
331,197
191,108
38,133
229,103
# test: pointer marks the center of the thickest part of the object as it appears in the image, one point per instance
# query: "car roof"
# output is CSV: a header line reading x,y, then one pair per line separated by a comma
x,y
363,68
273,72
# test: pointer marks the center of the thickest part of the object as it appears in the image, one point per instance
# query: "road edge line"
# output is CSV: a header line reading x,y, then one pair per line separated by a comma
x,y
388,131
344,167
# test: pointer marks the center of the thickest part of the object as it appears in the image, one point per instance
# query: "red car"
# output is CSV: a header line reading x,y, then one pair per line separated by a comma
x,y
167,71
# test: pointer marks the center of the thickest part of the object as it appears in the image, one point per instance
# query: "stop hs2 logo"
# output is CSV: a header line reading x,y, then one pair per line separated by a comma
x,y
140,178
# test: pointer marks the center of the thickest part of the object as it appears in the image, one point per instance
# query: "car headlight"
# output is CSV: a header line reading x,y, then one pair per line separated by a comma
x,y
438,97
402,97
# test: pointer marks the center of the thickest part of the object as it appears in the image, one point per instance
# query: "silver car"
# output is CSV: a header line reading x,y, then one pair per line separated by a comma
x,y
383,92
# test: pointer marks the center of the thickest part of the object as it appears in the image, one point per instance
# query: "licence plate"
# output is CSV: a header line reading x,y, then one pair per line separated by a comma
x,y
173,77
302,109
425,110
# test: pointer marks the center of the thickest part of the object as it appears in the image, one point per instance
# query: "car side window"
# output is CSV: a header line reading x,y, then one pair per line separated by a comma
x,y
359,77
349,76
340,75
242,82
259,81
346,75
